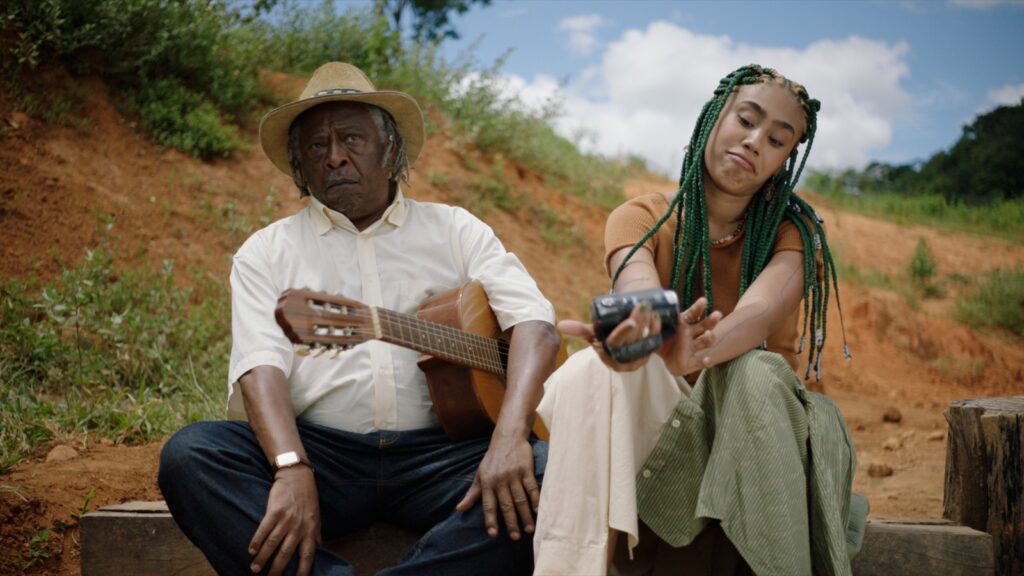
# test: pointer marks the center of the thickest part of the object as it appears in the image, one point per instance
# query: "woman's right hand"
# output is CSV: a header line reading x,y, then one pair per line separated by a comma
x,y
641,323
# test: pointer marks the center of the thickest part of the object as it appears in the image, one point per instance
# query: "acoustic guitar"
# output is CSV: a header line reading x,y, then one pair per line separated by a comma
x,y
465,355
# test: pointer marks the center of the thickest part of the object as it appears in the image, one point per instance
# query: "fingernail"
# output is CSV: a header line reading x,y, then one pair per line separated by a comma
x,y
255,567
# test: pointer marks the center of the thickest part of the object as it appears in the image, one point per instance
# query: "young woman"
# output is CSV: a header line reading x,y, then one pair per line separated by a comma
x,y
746,470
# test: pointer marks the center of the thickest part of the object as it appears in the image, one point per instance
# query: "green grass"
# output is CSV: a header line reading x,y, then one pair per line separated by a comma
x,y
99,351
1001,219
996,301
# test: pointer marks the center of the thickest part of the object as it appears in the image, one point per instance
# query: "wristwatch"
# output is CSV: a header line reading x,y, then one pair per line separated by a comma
x,y
289,459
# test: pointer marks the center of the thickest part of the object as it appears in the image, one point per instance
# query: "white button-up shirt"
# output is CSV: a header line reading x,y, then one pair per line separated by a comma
x,y
414,251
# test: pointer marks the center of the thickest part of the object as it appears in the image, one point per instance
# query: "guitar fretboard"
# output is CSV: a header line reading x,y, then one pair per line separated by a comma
x,y
444,342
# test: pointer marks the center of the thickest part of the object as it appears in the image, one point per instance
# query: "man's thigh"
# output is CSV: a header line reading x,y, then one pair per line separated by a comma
x,y
425,487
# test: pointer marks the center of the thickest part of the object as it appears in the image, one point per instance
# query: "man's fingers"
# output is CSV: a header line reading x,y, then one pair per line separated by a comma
x,y
267,548
508,511
283,556
472,495
522,504
532,491
307,552
490,508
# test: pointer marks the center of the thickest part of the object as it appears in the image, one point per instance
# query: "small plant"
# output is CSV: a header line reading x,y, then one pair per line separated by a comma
x,y
40,549
77,515
922,264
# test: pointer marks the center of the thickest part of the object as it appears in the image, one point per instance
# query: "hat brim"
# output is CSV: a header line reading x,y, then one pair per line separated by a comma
x,y
402,107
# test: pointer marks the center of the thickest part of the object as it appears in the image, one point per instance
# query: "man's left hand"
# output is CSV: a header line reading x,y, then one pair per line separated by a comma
x,y
505,482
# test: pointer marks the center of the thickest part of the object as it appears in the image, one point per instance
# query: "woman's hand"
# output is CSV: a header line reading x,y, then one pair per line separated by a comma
x,y
683,352
641,323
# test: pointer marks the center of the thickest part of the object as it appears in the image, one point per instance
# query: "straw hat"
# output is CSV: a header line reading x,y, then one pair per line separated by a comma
x,y
338,81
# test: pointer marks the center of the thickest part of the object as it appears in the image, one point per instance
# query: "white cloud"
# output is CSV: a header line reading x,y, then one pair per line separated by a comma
x,y
650,85
582,40
1007,95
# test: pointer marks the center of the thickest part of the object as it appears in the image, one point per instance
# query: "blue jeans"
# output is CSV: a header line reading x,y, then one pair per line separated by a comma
x,y
216,479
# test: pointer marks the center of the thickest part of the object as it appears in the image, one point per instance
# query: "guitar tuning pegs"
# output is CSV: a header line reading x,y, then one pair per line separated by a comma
x,y
302,350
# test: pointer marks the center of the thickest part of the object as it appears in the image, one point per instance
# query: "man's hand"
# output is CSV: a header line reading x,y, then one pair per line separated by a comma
x,y
505,481
291,524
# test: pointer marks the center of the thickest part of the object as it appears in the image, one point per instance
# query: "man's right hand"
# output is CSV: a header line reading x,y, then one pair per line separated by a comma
x,y
291,524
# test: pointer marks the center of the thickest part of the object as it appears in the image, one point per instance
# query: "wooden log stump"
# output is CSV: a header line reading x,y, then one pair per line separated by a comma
x,y
985,474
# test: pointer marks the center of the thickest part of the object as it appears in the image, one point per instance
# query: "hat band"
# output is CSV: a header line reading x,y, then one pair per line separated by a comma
x,y
330,91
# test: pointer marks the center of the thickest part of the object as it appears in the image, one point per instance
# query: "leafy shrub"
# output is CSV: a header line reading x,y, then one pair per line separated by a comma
x,y
189,58
178,117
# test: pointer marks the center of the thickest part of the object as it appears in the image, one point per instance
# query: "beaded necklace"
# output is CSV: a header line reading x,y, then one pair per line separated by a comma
x,y
729,237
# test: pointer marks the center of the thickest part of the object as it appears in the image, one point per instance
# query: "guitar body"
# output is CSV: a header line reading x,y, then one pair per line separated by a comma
x,y
467,401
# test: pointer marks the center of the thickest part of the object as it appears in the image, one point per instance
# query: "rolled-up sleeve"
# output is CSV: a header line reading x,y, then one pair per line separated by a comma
x,y
513,295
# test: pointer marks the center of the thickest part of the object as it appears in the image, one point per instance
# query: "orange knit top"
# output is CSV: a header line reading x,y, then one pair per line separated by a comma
x,y
628,223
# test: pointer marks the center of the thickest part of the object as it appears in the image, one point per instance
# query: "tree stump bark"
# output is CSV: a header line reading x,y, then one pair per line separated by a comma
x,y
985,474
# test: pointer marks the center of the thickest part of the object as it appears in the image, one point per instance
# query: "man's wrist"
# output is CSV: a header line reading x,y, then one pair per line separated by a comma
x,y
290,459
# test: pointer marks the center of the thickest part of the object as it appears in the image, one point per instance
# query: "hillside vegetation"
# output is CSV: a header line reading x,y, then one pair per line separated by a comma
x,y
977,185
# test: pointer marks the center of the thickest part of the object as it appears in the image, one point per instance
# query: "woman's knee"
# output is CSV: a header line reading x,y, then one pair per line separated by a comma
x,y
757,377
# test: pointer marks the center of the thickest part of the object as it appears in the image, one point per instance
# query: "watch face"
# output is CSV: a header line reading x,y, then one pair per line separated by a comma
x,y
286,459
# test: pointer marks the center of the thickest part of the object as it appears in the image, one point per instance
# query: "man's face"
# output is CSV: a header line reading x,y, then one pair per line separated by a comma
x,y
755,133
341,158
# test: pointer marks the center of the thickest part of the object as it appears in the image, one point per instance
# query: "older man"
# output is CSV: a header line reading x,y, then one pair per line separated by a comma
x,y
331,445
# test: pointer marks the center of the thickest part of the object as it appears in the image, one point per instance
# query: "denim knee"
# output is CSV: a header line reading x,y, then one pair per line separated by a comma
x,y
183,454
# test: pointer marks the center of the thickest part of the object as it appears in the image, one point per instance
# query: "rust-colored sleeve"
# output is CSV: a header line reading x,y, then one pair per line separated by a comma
x,y
628,223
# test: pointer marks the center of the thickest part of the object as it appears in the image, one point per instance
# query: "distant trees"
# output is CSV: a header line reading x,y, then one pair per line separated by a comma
x,y
985,165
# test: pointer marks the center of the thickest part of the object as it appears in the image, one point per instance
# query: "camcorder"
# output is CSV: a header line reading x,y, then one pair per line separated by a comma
x,y
609,310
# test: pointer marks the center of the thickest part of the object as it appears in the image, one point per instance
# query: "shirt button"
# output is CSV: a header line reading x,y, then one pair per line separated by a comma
x,y
647,473
675,423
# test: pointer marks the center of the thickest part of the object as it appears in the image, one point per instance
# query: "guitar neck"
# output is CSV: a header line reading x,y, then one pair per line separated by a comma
x,y
444,342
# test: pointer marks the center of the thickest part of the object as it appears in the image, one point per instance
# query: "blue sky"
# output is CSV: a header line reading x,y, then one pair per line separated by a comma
x,y
897,80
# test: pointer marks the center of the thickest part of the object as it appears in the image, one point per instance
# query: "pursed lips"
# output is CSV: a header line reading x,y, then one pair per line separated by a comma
x,y
341,182
742,161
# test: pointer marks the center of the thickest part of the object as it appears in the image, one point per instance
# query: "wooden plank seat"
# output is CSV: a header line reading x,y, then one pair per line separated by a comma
x,y
141,538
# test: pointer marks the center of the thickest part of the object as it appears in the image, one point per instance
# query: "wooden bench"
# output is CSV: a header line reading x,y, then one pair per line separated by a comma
x,y
141,538
983,532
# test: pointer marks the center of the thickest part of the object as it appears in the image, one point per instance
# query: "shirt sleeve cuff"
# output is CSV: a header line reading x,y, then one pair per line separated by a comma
x,y
508,318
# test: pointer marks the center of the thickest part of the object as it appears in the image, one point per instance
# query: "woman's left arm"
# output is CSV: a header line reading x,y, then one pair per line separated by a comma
x,y
769,300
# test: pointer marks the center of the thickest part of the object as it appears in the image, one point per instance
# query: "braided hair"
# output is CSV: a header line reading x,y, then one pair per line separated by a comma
x,y
776,200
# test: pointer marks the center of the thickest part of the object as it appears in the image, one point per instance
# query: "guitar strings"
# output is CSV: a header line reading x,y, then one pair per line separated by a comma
x,y
446,340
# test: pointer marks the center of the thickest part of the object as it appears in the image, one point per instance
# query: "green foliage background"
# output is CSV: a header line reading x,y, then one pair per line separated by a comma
x,y
977,185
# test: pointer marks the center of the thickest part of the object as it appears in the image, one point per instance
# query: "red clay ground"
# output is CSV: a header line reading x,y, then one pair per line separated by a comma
x,y
58,185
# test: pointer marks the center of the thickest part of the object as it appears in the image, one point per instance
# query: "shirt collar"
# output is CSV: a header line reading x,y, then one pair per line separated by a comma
x,y
324,218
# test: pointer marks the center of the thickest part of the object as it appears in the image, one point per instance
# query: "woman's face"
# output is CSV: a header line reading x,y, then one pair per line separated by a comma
x,y
754,135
